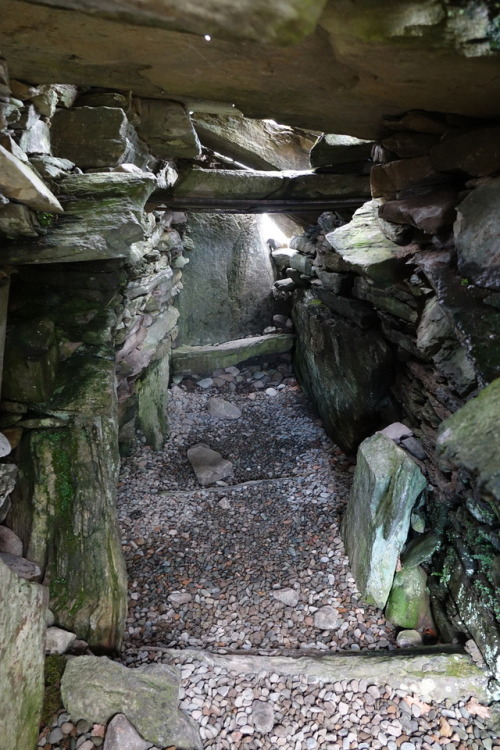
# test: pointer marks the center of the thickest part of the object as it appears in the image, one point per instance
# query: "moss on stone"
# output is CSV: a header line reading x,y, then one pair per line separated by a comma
x,y
52,701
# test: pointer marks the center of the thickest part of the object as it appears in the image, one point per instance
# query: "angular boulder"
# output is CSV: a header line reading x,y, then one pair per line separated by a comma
x,y
22,624
345,369
375,526
477,235
20,183
96,137
364,247
208,465
167,129
96,689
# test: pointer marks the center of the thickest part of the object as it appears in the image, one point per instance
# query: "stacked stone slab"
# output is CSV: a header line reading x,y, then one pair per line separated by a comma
x,y
418,266
89,337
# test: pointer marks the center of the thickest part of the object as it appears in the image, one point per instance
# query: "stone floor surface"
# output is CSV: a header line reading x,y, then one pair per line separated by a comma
x,y
255,564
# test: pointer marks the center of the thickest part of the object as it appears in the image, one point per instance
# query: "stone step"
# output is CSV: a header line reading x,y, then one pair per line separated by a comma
x,y
431,674
187,360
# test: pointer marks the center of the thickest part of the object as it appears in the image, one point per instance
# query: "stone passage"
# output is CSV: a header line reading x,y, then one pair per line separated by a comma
x,y
254,561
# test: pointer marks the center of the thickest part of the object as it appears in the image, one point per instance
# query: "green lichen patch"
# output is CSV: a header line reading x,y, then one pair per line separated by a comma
x,y
52,701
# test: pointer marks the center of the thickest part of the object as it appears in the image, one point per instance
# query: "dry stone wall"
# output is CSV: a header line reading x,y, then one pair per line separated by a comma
x,y
89,329
417,269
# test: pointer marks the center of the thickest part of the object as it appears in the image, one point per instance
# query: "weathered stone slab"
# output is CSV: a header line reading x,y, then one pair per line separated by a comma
x,y
339,149
475,323
470,438
22,567
20,183
233,184
67,487
346,370
152,398
187,360
167,129
226,184
96,137
430,675
387,180
375,526
477,235
393,299
363,246
22,624
475,152
406,143
260,144
432,212
358,312
96,689
103,219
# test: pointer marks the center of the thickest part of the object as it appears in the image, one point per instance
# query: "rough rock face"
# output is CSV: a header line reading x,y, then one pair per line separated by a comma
x,y
477,235
96,137
227,284
347,370
22,625
260,144
370,60
96,689
386,486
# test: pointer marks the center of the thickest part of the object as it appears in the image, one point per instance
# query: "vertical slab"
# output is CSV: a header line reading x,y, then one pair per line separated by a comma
x,y
22,625
375,526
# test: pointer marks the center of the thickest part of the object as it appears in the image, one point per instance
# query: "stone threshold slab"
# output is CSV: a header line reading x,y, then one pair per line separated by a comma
x,y
431,675
188,360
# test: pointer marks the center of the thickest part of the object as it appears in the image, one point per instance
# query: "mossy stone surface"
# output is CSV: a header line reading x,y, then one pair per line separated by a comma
x,y
152,401
470,438
387,484
22,624
96,689
66,509
408,604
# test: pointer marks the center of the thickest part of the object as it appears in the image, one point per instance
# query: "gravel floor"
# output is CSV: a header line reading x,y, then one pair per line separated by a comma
x,y
256,564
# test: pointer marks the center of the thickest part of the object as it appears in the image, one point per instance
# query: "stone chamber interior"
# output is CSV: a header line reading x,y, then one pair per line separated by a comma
x,y
172,260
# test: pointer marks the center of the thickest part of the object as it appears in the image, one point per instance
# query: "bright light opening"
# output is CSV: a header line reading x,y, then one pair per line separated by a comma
x,y
207,38
271,231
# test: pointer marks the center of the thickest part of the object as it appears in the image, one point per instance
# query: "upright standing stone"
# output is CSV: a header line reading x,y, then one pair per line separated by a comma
x,y
22,625
68,482
386,486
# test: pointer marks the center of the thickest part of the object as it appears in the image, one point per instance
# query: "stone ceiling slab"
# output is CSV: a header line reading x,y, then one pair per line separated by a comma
x,y
353,69
280,21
